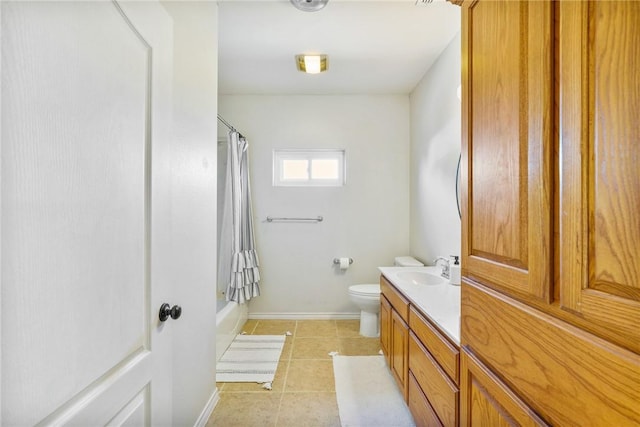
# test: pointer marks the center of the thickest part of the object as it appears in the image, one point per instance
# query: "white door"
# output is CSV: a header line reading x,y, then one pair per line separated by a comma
x,y
86,116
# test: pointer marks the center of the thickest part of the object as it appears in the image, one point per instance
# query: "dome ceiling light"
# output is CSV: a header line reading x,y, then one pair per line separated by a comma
x,y
309,5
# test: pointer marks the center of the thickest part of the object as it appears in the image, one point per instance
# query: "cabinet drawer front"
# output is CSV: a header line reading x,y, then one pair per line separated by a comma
x,y
423,413
445,353
486,398
441,392
399,302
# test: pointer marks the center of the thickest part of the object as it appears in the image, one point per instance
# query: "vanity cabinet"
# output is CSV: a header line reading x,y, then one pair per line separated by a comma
x,y
423,361
550,190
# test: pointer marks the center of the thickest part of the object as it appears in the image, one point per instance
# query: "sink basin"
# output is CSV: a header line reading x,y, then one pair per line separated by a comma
x,y
420,278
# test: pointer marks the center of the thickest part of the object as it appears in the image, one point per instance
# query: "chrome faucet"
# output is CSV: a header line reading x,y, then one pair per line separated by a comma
x,y
445,266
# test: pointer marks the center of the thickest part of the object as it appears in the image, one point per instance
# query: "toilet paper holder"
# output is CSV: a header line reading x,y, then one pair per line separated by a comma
x,y
337,261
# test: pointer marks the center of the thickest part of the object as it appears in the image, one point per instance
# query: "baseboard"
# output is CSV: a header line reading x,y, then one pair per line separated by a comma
x,y
208,409
304,316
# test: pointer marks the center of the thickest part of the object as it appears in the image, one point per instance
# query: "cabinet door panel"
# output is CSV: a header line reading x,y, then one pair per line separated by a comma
x,y
399,351
600,183
385,324
506,160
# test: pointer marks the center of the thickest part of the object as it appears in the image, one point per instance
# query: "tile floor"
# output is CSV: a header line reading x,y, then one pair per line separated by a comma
x,y
303,391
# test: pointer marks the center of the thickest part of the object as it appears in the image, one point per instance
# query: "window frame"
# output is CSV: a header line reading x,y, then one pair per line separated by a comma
x,y
280,155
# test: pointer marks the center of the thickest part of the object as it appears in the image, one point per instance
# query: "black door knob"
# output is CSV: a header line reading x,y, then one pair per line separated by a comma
x,y
176,311
167,311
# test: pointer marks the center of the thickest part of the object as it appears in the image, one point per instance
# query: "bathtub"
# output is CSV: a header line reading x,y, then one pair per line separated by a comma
x,y
230,317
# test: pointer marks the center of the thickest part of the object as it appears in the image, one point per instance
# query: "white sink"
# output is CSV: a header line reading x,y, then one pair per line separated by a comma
x,y
420,278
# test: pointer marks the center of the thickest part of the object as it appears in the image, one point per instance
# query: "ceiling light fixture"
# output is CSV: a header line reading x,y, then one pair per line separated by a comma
x,y
311,64
309,5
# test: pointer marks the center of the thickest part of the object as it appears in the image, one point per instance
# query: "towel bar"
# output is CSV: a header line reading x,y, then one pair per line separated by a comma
x,y
284,219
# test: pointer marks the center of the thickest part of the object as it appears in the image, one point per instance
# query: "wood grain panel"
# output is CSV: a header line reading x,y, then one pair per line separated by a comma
x,y
600,185
400,351
499,216
441,392
445,353
614,180
395,298
506,163
385,325
423,413
566,375
486,401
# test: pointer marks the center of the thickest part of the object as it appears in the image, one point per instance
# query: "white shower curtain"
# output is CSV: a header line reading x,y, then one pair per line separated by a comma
x,y
238,260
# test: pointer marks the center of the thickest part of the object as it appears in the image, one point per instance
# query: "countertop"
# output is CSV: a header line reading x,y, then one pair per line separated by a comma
x,y
441,303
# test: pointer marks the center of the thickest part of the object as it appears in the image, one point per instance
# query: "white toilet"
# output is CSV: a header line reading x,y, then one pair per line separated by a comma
x,y
367,298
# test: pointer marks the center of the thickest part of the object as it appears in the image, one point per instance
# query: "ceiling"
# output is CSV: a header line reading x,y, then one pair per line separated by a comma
x,y
374,47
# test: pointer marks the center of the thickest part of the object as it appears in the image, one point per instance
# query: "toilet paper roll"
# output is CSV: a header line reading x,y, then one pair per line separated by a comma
x,y
344,263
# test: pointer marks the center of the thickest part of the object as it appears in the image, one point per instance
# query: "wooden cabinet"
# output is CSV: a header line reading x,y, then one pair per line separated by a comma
x,y
599,155
394,332
506,145
550,321
423,362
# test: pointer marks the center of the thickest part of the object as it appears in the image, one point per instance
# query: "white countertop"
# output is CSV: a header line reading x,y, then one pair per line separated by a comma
x,y
441,303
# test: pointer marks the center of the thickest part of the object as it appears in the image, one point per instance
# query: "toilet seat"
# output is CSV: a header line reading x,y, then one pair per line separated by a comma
x,y
371,290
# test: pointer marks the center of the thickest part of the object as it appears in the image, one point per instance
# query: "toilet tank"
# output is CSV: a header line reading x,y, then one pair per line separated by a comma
x,y
407,261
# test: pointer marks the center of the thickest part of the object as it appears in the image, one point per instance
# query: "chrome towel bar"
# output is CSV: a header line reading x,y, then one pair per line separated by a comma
x,y
316,219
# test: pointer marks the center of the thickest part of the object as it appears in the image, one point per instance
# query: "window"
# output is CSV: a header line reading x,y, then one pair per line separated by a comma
x,y
308,168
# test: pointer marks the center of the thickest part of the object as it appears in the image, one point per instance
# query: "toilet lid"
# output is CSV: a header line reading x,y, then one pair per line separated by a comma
x,y
373,289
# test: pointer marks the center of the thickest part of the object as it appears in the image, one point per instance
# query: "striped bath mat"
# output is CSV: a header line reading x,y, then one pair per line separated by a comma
x,y
250,359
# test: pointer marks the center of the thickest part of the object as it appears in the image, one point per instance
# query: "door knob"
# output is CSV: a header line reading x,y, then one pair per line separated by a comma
x,y
167,311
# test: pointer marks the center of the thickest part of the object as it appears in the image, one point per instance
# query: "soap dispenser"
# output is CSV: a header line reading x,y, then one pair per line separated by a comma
x,y
454,271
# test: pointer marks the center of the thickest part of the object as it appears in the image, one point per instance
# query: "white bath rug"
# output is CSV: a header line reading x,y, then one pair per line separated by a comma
x,y
250,359
367,393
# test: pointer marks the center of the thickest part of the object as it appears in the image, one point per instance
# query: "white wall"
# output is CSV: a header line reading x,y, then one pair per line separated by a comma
x,y
193,207
367,219
435,146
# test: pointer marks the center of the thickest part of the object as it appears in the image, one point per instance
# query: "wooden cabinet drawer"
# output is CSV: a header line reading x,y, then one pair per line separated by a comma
x,y
441,392
423,413
445,353
396,299
487,401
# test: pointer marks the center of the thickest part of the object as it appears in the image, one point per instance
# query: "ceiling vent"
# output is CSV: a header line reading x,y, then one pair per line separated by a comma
x,y
426,2
310,5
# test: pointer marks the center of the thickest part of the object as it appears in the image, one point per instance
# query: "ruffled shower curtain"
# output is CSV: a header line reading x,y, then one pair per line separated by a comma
x,y
238,261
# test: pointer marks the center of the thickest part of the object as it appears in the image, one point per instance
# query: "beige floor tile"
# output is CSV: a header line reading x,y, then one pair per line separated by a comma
x,y
249,326
348,328
310,375
277,384
316,328
359,346
246,410
314,348
309,410
274,327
